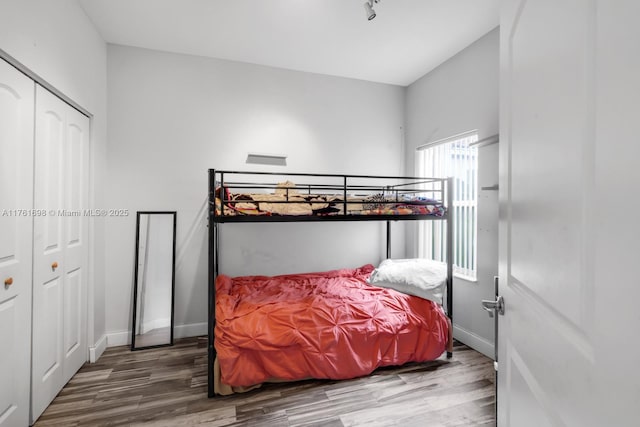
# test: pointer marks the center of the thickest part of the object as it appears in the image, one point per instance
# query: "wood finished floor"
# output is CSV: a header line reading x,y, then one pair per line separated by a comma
x,y
167,387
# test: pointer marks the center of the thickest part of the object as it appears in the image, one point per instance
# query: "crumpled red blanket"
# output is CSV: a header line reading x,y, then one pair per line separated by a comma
x,y
327,325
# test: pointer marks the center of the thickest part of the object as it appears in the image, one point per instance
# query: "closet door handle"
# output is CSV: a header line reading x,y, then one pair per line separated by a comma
x,y
8,282
54,265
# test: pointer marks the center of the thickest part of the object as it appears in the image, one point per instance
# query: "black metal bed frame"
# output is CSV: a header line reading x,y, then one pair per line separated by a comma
x,y
217,180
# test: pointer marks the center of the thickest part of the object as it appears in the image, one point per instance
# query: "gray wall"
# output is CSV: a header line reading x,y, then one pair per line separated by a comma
x,y
58,42
171,117
459,96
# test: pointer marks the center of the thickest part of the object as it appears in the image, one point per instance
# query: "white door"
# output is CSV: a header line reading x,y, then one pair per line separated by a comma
x,y
75,241
16,202
60,247
569,203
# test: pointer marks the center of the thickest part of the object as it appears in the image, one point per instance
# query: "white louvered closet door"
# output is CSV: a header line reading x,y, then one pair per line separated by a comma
x,y
60,247
16,197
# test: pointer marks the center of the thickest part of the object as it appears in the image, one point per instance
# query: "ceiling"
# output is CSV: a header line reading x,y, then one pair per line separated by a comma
x,y
407,39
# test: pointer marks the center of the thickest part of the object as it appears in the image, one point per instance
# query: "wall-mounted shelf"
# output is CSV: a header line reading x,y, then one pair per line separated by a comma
x,y
491,188
267,159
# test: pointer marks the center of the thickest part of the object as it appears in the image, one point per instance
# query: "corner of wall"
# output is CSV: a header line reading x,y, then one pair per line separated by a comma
x,y
474,341
97,349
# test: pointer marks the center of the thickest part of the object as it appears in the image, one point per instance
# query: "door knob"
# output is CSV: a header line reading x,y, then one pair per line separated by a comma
x,y
8,282
493,306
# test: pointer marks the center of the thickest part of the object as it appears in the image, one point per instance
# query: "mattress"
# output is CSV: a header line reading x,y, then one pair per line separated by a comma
x,y
325,325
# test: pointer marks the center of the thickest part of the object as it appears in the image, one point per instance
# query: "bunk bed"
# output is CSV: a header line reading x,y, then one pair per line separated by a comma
x,y
256,197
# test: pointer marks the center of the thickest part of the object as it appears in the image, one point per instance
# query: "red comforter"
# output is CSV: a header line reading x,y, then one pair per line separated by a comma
x,y
330,325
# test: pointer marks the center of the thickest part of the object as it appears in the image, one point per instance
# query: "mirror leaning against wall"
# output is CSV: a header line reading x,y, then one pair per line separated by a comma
x,y
154,281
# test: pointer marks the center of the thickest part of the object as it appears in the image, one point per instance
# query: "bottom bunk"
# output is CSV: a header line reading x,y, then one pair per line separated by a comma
x,y
325,325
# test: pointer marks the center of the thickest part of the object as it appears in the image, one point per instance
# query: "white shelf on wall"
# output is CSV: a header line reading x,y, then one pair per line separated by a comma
x,y
491,188
267,159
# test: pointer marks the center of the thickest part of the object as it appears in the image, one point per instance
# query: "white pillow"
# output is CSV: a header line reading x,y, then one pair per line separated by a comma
x,y
423,278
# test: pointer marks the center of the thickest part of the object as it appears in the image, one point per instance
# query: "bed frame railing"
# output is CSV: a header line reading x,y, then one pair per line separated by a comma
x,y
390,189
440,190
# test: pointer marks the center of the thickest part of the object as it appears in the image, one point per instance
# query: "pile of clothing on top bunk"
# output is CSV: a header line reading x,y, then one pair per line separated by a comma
x,y
288,201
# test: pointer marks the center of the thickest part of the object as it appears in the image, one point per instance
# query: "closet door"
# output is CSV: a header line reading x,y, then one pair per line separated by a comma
x,y
60,247
16,199
75,226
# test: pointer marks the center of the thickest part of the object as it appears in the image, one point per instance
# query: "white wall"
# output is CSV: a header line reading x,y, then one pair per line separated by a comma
x,y
172,117
459,96
56,40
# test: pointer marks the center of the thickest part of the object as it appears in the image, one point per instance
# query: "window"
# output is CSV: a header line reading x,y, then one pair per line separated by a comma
x,y
452,157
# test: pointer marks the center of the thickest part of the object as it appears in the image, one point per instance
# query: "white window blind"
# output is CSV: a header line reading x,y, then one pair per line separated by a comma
x,y
453,157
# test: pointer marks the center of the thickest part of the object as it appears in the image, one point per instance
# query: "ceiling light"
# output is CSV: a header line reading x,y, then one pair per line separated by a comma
x,y
368,8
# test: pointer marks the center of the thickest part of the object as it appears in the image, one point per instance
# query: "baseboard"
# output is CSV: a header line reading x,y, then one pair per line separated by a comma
x,y
155,324
96,351
474,341
190,330
115,339
180,331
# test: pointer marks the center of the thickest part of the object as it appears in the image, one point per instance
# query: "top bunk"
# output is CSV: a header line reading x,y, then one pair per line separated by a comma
x,y
241,196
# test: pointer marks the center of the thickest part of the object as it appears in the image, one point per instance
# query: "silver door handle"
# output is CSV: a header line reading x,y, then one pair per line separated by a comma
x,y
493,306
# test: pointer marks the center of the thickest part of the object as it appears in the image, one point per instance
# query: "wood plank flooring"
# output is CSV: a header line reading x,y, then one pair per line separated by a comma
x,y
167,387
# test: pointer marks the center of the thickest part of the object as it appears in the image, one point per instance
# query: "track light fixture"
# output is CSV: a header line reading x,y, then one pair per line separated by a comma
x,y
368,8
